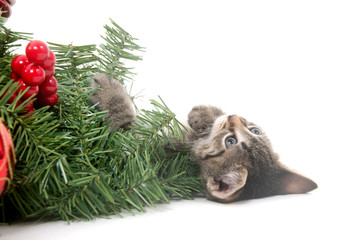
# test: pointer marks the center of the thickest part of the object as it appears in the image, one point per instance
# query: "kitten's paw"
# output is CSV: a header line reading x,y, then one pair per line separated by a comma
x,y
101,80
201,118
113,98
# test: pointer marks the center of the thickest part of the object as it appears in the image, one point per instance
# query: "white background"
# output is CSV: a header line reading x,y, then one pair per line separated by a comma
x,y
272,62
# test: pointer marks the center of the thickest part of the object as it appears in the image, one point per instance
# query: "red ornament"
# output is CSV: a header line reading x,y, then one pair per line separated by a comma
x,y
37,51
5,9
33,75
18,63
7,158
49,87
48,100
11,2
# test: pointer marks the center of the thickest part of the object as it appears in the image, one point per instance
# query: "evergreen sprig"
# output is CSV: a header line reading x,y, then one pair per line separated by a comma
x,y
71,165
74,60
9,39
119,46
159,125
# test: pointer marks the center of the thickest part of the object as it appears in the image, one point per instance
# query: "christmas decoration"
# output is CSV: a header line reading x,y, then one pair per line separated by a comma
x,y
17,64
49,62
29,71
7,158
49,87
70,164
47,100
37,51
33,75
5,7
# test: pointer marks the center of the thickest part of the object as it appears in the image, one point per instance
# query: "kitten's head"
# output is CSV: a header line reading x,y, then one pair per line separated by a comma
x,y
236,159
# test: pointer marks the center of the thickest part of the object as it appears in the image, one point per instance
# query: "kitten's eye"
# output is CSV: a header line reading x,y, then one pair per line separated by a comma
x,y
230,141
256,131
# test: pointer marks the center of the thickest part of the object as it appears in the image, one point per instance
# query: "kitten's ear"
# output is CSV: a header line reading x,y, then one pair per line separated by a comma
x,y
290,182
201,118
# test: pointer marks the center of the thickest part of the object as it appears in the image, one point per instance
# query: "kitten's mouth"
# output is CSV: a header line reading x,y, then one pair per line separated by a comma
x,y
220,187
225,186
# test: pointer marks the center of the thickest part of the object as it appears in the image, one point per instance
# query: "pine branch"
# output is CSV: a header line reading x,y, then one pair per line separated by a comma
x,y
71,165
9,42
118,47
9,38
74,60
159,125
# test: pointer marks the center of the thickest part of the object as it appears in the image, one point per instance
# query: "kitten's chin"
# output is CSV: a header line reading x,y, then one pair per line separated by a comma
x,y
226,188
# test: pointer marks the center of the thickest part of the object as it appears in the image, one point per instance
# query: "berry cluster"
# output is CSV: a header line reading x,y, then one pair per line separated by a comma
x,y
5,8
36,71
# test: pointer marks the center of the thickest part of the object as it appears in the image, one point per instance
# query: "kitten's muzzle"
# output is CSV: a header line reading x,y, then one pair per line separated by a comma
x,y
225,187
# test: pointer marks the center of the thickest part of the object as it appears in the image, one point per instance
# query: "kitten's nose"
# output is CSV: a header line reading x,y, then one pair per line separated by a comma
x,y
229,118
235,121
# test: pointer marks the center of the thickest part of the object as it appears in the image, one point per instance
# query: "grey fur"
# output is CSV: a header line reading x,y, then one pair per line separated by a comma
x,y
113,97
201,118
200,122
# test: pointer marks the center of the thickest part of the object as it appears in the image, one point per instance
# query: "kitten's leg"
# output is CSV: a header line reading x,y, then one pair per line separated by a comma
x,y
113,98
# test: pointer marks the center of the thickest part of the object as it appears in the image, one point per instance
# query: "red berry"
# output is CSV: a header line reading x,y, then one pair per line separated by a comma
x,y
5,9
18,63
37,51
49,72
22,86
29,107
30,115
32,91
49,62
12,98
49,87
18,103
33,75
48,100
14,76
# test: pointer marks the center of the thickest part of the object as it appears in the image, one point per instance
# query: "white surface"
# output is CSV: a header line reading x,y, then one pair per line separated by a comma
x,y
288,217
273,62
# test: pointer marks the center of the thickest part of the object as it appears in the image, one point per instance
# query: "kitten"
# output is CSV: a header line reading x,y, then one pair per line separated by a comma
x,y
235,156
